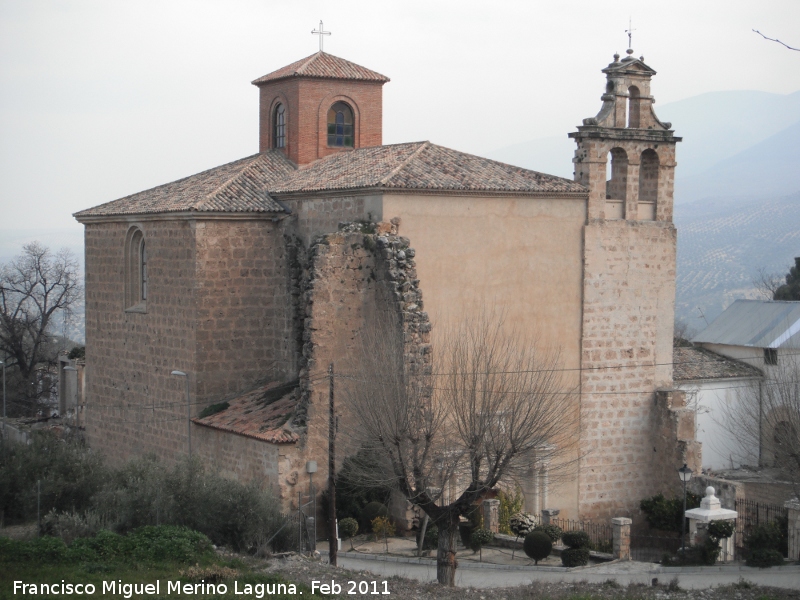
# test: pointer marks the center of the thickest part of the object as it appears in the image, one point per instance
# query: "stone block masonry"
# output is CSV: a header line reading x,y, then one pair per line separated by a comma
x,y
629,295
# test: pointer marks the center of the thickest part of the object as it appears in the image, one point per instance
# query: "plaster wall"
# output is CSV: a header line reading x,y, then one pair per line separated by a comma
x,y
522,255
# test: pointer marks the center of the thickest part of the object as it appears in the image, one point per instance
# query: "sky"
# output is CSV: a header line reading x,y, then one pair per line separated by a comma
x,y
103,98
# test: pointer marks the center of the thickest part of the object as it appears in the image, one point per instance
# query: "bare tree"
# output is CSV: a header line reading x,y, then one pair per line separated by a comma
x,y
35,287
766,417
775,40
767,283
475,414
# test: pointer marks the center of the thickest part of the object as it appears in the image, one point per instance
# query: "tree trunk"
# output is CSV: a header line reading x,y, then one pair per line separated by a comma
x,y
446,562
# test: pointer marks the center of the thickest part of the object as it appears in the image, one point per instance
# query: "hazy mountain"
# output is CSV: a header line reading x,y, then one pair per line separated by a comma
x,y
766,170
721,246
743,133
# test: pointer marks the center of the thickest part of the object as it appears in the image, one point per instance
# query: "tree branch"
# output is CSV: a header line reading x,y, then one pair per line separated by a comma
x,y
775,40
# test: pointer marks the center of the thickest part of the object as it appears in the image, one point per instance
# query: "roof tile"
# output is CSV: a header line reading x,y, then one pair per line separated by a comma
x,y
326,66
694,364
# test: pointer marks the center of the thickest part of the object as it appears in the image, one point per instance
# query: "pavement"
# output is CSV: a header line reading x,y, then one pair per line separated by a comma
x,y
501,567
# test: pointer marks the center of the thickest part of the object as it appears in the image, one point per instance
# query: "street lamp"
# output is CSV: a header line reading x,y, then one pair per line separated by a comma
x,y
685,473
3,362
188,410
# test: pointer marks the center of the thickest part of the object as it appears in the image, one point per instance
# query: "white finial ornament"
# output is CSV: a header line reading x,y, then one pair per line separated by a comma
x,y
320,33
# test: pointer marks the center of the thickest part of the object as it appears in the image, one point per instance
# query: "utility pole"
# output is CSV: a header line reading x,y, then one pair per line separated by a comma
x,y
332,529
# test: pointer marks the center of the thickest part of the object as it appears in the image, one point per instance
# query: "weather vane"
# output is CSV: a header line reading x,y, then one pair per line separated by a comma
x,y
320,33
629,31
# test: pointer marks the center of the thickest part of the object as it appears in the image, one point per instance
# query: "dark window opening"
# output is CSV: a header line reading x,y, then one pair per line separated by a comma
x,y
341,132
770,356
279,127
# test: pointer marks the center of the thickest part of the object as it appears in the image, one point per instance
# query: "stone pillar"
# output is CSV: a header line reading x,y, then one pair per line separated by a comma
x,y
548,514
794,528
622,537
544,479
491,515
530,489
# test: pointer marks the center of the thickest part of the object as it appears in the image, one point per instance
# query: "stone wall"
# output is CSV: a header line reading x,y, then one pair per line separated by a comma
x,y
239,457
219,307
629,296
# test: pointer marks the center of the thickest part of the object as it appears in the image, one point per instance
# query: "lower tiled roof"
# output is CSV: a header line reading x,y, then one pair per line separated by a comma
x,y
240,186
691,363
262,414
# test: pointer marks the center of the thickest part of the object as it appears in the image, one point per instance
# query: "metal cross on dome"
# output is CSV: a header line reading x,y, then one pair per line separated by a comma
x,y
320,33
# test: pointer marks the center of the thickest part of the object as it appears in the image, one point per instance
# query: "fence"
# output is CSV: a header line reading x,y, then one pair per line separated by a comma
x,y
650,545
751,514
601,534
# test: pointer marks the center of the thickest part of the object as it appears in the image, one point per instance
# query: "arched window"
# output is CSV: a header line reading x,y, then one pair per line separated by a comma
x,y
279,127
617,184
136,280
341,132
648,185
634,102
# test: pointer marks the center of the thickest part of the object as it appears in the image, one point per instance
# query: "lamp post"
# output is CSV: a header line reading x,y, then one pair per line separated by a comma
x,y
3,362
685,473
188,410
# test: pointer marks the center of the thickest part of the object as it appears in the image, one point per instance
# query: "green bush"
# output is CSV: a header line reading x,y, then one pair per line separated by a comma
x,y
354,490
667,514
721,529
576,539
348,528
370,512
69,472
575,557
431,537
554,532
537,545
764,557
479,538
768,536
510,504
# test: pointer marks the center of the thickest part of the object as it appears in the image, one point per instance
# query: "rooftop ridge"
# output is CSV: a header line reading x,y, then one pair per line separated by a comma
x,y
404,163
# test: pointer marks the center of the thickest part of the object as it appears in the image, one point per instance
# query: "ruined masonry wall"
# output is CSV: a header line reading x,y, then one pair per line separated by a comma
x,y
352,279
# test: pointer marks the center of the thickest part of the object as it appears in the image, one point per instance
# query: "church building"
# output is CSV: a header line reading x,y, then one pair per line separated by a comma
x,y
241,280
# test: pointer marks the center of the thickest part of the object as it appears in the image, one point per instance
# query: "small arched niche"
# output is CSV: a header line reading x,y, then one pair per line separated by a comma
x,y
616,183
634,107
648,185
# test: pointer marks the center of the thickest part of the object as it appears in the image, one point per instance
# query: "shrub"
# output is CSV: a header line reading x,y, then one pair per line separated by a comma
x,y
576,539
478,538
575,557
522,523
554,532
353,493
382,527
72,525
465,532
665,514
348,527
510,504
537,545
768,536
721,529
370,512
167,543
431,537
764,557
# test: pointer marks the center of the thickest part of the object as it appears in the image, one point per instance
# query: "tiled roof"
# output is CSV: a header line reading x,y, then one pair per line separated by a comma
x,y
240,186
326,66
695,364
257,415
248,185
419,166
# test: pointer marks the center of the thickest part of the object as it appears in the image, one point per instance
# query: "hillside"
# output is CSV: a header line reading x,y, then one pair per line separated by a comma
x,y
721,246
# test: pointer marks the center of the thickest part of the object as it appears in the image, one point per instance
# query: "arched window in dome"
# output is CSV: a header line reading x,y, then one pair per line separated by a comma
x,y
279,127
341,132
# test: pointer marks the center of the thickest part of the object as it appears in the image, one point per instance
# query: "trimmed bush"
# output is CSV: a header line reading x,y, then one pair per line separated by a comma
x,y
521,524
348,527
537,545
554,532
768,536
575,557
478,538
576,539
763,558
667,514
